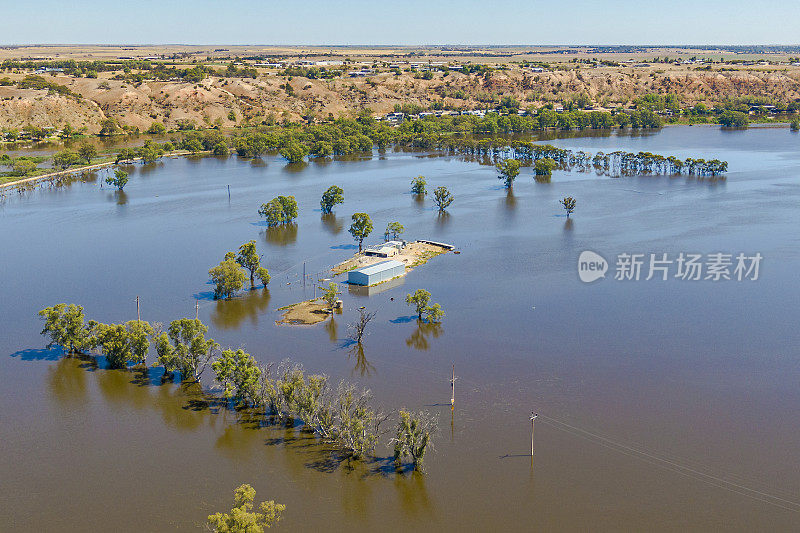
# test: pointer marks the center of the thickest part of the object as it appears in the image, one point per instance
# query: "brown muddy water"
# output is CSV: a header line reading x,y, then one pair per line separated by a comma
x,y
664,405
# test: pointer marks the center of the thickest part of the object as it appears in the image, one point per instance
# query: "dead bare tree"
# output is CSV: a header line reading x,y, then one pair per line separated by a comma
x,y
358,327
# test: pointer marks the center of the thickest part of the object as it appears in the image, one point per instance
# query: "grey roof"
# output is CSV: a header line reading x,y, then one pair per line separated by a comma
x,y
380,267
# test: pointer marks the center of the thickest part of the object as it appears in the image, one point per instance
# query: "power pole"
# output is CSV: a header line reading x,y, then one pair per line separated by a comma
x,y
304,274
197,310
229,192
533,418
453,389
138,315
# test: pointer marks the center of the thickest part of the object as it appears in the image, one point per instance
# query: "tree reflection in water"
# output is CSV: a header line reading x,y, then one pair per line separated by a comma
x,y
281,235
230,314
419,339
363,367
332,224
333,329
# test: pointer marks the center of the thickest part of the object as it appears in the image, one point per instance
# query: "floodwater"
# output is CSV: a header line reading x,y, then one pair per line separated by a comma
x,y
663,405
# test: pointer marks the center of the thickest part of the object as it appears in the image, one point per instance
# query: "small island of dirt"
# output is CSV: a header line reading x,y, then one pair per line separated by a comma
x,y
413,254
304,313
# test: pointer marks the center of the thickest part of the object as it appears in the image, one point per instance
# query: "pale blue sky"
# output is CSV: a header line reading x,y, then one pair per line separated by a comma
x,y
400,22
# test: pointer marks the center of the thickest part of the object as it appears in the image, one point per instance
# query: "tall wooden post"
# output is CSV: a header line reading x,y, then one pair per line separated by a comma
x,y
533,419
229,192
138,315
453,389
197,310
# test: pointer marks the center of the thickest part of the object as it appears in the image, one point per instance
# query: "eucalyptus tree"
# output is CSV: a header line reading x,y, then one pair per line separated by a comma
x,y
443,198
568,202
393,230
419,300
331,294
184,348
228,277
332,196
66,327
279,210
508,170
239,375
360,228
249,260
418,186
87,152
242,518
118,180
413,437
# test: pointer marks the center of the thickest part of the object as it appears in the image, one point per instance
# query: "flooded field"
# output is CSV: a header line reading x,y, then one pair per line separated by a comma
x,y
663,405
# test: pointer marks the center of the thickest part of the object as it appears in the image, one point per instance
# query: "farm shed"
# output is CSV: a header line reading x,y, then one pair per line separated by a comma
x,y
372,274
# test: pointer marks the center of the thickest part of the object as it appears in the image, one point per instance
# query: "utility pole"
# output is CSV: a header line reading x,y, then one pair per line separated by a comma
x,y
197,310
304,274
138,315
533,418
229,192
453,389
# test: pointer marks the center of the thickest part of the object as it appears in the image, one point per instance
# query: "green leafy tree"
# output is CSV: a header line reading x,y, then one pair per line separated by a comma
x,y
420,300
544,166
413,437
331,294
334,195
156,128
221,149
249,260
114,343
289,207
418,186
239,375
394,230
434,313
118,180
443,197
65,159
263,276
150,152
109,127
795,125
360,228
734,119
139,334
509,170
184,348
294,152
568,202
23,167
228,277
242,518
272,211
65,326
87,152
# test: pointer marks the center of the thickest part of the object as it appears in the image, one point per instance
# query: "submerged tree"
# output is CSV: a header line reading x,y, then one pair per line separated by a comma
x,y
118,180
418,186
544,167
242,518
332,196
420,300
569,204
249,260
66,327
228,277
443,198
185,349
413,438
239,375
359,327
279,210
360,228
509,170
434,313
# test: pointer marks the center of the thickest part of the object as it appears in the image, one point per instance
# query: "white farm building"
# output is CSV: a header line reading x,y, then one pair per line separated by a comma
x,y
372,274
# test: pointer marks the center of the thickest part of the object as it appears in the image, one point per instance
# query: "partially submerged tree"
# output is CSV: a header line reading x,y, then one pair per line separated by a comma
x,y
242,518
569,204
418,186
443,197
113,341
413,437
393,230
544,167
359,327
239,375
434,313
509,170
279,210
65,159
249,260
185,349
139,334
420,300
360,228
294,152
332,196
228,277
118,180
66,327
331,294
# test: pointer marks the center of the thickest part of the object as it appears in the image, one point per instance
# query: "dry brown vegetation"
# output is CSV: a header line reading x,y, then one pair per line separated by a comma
x,y
211,101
